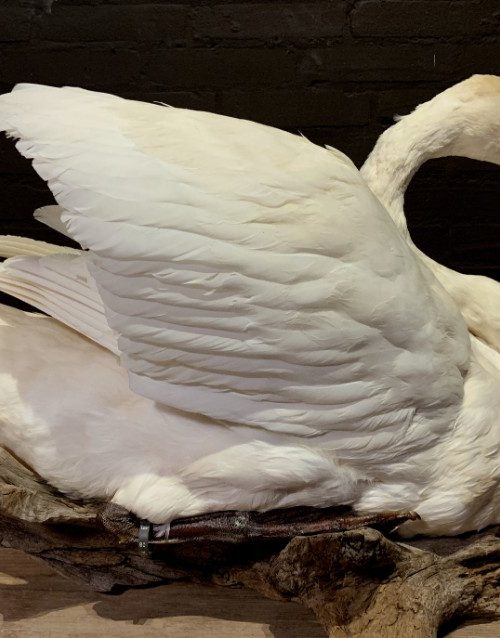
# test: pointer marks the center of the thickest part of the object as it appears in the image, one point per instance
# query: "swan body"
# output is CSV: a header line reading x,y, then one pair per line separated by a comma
x,y
283,343
67,411
461,121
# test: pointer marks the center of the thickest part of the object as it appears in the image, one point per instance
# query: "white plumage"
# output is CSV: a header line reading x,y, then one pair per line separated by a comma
x,y
461,121
254,285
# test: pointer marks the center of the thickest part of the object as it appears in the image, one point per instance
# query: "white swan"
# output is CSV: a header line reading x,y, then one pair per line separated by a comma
x,y
463,121
255,286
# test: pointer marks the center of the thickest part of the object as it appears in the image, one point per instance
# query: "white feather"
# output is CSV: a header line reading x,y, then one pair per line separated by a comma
x,y
463,121
60,285
11,246
51,217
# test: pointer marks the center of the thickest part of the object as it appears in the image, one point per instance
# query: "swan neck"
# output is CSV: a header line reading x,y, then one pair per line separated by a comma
x,y
461,121
397,156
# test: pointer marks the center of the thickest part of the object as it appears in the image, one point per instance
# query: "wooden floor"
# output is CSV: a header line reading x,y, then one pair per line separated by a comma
x,y
35,602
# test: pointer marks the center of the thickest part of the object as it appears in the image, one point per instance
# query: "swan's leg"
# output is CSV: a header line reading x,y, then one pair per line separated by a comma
x,y
237,526
242,526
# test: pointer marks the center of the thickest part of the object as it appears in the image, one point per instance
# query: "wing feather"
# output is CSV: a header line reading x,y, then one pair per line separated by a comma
x,y
51,217
250,275
60,285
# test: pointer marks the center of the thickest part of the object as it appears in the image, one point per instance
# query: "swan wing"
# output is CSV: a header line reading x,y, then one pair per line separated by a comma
x,y
250,275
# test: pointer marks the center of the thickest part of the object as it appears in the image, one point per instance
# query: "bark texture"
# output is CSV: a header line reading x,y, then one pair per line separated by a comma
x,y
358,583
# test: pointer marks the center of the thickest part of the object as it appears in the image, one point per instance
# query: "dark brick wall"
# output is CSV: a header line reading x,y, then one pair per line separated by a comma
x,y
335,70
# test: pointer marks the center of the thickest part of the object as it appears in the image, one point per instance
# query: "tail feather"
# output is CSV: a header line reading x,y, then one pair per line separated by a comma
x,y
13,246
59,285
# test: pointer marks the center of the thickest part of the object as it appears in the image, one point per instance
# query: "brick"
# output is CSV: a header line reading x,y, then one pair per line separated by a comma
x,y
303,108
219,68
279,21
401,101
142,23
436,18
476,245
453,191
478,58
15,23
357,62
89,68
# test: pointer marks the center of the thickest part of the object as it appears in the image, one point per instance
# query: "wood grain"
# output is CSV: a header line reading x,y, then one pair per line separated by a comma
x,y
36,602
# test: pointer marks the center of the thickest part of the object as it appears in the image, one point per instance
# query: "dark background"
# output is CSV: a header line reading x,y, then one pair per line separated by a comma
x,y
336,71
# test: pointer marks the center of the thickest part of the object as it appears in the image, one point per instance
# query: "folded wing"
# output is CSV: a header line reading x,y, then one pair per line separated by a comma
x,y
250,275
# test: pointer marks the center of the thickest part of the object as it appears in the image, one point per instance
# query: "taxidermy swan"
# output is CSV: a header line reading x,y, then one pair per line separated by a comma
x,y
283,343
463,121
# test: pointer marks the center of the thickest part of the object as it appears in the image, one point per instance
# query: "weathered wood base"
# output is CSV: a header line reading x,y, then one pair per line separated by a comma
x,y
358,583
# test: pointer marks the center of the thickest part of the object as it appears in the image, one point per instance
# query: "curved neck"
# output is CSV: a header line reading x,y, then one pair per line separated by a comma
x,y
398,155
461,121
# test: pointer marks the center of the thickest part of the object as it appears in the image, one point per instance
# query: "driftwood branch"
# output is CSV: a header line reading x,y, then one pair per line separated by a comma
x,y
358,583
